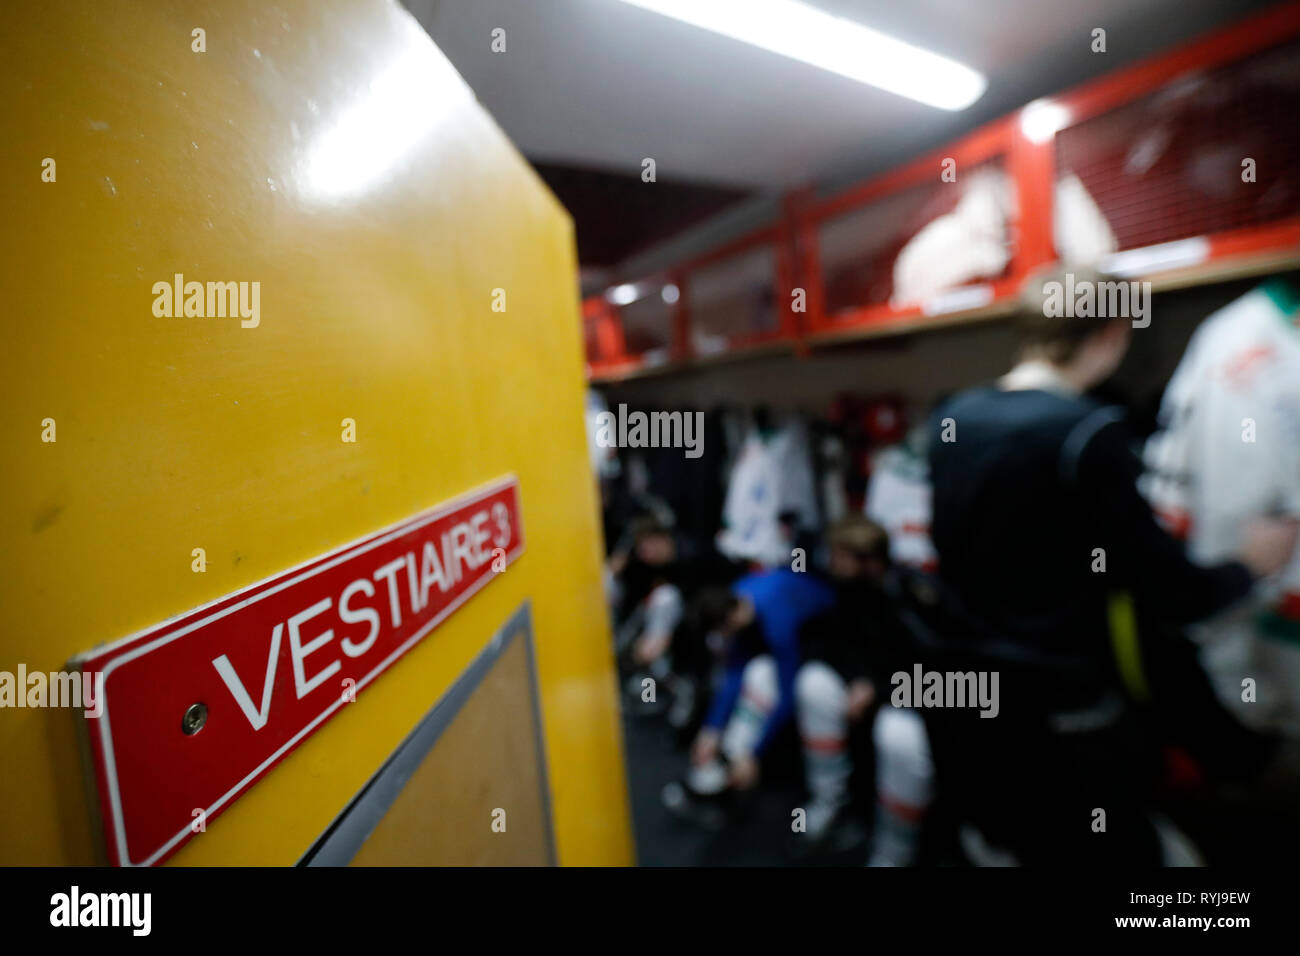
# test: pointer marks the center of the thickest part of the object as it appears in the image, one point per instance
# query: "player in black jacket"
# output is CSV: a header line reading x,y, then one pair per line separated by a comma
x,y
1040,529
849,653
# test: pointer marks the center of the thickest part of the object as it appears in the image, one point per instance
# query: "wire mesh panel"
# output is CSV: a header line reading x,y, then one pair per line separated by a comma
x,y
734,300
913,244
1210,152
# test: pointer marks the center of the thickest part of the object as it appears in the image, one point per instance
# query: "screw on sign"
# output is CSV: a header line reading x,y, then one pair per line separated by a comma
x,y
195,717
198,708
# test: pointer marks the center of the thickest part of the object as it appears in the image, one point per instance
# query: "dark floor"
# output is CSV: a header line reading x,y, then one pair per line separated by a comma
x,y
760,837
1230,825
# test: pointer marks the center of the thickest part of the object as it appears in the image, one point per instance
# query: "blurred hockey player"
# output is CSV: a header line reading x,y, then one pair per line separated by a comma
x,y
657,575
836,685
1228,450
759,619
1040,529
850,651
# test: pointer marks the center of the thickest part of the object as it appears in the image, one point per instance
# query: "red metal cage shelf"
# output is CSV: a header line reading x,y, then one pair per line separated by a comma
x,y
1146,164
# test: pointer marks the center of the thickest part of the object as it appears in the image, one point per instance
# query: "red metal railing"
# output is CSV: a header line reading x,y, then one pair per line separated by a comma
x,y
771,287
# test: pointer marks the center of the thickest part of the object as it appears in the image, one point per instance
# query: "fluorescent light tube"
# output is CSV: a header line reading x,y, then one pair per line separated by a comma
x,y
832,43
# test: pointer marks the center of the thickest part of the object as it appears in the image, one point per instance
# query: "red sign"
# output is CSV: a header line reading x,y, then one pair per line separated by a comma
x,y
197,709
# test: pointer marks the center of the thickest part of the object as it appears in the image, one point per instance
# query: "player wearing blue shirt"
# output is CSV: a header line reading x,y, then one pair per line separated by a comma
x,y
761,617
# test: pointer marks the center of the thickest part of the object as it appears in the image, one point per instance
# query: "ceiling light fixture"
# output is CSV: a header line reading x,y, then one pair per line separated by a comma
x,y
624,294
832,43
1042,119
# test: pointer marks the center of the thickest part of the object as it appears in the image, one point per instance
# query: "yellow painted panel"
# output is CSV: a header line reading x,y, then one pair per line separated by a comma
x,y
326,150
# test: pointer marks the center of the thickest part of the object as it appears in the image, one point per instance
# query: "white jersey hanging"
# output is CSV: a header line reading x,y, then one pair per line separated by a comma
x,y
1228,451
771,476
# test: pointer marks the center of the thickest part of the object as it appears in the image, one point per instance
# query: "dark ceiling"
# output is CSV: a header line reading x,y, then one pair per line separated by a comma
x,y
617,215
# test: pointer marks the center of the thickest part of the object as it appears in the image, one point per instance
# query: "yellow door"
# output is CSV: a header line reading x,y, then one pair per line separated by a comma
x,y
415,279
